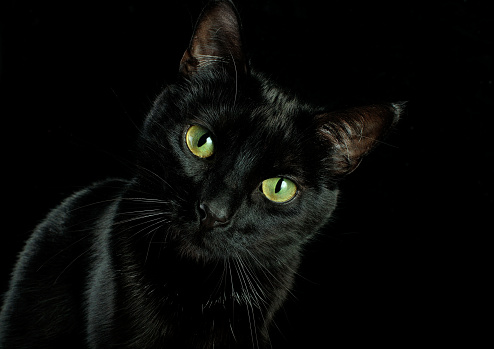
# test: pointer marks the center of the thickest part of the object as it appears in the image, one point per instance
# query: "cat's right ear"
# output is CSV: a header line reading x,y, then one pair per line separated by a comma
x,y
216,41
351,134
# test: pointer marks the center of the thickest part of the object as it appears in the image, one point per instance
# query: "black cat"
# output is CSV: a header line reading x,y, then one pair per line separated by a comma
x,y
199,249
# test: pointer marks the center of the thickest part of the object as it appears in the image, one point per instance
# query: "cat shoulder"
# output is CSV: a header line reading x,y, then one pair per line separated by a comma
x,y
89,201
73,218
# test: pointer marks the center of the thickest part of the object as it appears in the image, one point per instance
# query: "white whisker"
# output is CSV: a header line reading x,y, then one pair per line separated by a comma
x,y
72,262
140,217
63,250
152,237
236,79
272,276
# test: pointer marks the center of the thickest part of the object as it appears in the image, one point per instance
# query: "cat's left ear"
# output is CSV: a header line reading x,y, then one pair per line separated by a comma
x,y
351,134
216,41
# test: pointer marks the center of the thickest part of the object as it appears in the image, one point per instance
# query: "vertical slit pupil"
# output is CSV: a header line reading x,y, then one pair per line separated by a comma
x,y
278,186
203,139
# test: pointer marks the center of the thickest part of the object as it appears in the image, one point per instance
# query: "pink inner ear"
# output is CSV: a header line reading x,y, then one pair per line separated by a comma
x,y
216,40
353,133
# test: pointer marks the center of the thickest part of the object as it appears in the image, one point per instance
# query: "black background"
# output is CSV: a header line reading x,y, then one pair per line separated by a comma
x,y
403,260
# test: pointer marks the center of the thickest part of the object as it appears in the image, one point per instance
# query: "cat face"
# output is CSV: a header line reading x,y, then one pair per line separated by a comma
x,y
245,163
244,167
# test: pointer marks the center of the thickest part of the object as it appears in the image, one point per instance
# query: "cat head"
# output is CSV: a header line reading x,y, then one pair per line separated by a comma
x,y
243,167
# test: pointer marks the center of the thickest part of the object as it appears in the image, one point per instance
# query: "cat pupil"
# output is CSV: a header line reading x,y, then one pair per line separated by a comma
x,y
204,138
278,186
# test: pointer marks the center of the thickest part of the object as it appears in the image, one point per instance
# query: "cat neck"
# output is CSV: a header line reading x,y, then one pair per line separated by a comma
x,y
228,302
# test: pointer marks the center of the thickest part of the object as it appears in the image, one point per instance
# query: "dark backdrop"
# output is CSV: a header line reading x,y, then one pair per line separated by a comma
x,y
402,260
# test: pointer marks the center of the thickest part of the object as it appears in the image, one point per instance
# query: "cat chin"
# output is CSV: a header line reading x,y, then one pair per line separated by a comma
x,y
207,246
198,253
203,253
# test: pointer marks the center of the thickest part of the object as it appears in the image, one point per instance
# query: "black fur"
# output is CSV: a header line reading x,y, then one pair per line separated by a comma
x,y
128,264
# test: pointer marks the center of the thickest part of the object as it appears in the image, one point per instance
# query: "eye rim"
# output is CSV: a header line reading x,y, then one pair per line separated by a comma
x,y
295,194
188,145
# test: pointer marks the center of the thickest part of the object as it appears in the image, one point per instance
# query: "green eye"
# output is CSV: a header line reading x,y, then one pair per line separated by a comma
x,y
279,189
199,141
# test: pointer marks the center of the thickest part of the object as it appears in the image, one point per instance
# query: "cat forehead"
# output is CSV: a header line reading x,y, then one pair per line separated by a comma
x,y
265,109
257,123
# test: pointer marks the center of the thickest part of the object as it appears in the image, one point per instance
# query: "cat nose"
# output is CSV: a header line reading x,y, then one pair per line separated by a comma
x,y
212,216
